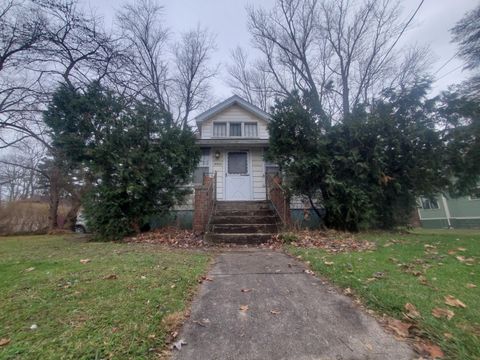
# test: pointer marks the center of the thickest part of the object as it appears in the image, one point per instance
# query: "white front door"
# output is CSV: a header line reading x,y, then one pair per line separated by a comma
x,y
238,185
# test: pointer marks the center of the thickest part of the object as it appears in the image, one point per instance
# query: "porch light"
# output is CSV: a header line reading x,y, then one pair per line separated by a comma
x,y
217,154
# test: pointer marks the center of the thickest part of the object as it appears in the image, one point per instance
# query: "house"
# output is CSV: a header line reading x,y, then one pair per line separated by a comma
x,y
443,211
233,138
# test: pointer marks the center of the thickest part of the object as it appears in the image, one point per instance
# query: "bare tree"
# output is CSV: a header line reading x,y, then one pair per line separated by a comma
x,y
192,71
175,80
335,53
22,30
145,64
19,171
250,81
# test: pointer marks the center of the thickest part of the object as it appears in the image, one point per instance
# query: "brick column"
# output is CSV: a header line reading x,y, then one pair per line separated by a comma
x,y
200,210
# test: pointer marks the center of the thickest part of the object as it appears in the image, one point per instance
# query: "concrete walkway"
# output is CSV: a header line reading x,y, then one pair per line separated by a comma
x,y
291,315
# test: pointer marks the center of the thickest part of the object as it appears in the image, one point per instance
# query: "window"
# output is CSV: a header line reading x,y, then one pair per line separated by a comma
x,y
203,167
235,129
219,129
251,130
237,163
429,203
475,195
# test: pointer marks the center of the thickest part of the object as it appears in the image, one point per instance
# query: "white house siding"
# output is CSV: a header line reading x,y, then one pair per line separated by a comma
x,y
234,114
218,166
258,174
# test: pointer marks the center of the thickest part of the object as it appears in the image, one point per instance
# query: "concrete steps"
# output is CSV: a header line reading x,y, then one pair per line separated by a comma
x,y
242,222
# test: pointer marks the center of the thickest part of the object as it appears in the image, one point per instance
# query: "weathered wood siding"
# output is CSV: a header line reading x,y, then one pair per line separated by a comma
x,y
234,114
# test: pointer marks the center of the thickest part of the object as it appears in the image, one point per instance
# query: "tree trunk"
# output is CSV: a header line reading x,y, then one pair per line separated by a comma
x,y
71,217
54,199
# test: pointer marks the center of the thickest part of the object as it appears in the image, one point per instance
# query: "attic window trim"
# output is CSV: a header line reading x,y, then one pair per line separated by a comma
x,y
227,124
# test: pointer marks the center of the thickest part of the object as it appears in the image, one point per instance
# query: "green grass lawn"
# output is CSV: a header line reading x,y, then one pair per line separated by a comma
x,y
79,312
391,276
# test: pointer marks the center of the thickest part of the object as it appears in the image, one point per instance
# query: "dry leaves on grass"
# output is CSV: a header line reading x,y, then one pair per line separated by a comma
x,y
84,261
399,327
464,260
425,348
412,311
110,277
452,301
4,341
471,286
443,313
170,236
332,241
204,278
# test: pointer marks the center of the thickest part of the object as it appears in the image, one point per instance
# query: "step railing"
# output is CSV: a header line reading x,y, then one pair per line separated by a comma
x,y
278,196
205,200
211,198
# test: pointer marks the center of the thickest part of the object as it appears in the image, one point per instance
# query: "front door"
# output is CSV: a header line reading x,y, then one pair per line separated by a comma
x,y
237,177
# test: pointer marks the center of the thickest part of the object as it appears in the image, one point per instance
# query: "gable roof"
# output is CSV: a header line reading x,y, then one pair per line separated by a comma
x,y
233,100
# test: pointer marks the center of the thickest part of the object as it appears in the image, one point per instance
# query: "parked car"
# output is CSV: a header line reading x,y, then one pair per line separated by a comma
x,y
81,224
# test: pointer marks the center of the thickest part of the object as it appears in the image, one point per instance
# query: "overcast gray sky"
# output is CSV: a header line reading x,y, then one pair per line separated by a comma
x,y
228,21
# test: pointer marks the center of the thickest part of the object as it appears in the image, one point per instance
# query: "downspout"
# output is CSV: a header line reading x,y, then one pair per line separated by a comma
x,y
447,211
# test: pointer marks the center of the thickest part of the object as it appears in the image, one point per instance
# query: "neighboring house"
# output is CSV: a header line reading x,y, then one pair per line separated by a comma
x,y
445,212
233,138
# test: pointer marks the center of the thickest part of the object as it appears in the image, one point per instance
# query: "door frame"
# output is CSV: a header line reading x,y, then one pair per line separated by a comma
x,y
249,167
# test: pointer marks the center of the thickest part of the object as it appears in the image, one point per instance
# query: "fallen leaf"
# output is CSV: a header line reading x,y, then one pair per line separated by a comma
x,y
448,336
423,280
29,269
369,347
110,277
471,286
399,327
275,312
412,311
347,291
461,249
246,290
4,341
151,336
328,263
446,313
379,275
34,327
451,252
173,286
178,344
452,301
244,308
309,272
428,349
84,261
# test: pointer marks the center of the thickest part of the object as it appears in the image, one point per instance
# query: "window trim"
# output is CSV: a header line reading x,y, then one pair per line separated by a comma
x,y
423,198
241,129
227,129
220,123
256,128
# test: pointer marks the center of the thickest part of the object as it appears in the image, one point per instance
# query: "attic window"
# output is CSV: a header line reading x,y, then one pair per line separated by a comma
x,y
220,129
251,130
235,129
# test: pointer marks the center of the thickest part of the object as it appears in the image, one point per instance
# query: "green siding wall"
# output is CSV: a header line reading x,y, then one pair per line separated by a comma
x,y
464,213
298,219
181,218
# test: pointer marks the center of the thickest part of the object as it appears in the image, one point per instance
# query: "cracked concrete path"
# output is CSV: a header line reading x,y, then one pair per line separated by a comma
x,y
311,320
